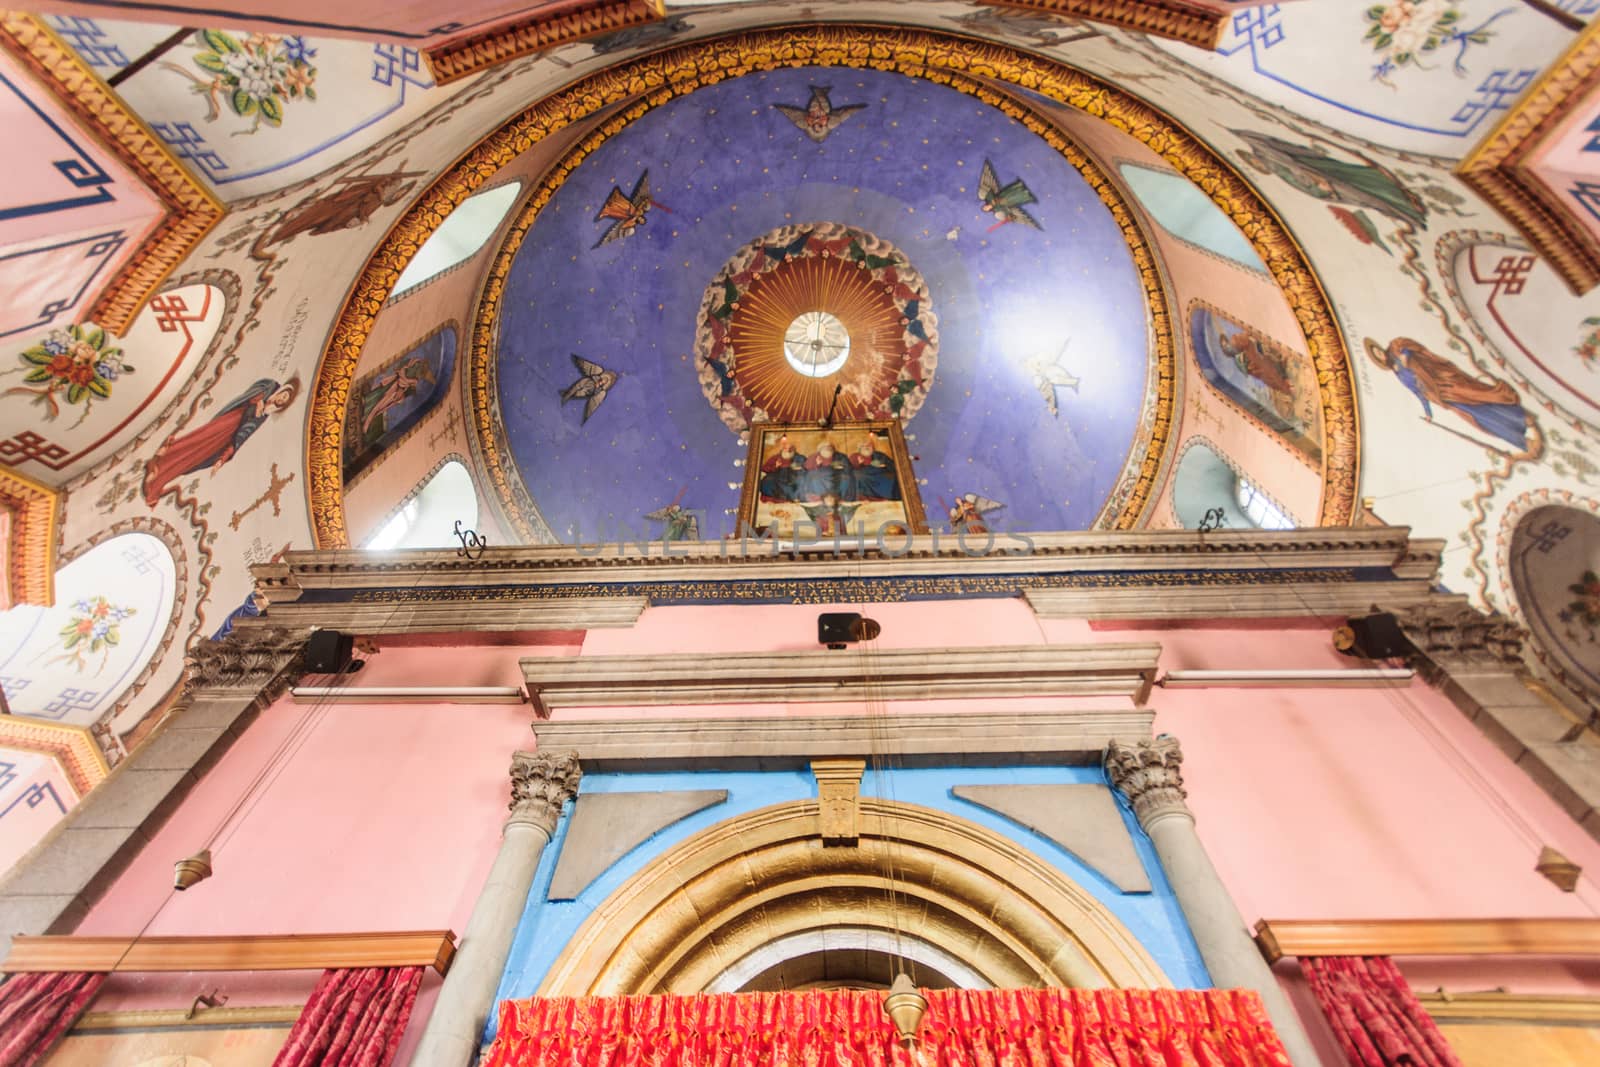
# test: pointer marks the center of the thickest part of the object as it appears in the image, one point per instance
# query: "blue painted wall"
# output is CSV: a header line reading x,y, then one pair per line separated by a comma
x,y
546,926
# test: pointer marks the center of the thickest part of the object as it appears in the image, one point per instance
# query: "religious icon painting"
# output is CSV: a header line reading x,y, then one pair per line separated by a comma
x,y
850,479
1273,384
387,403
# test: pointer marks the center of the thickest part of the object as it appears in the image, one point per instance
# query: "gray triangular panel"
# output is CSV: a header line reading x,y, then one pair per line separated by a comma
x,y
606,826
1083,819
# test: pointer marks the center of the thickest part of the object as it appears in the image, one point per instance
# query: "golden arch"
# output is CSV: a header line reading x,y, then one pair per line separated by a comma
x,y
711,901
653,79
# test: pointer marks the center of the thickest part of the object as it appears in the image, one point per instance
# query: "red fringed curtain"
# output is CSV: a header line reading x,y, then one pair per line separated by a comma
x,y
36,1009
1378,1020
353,1019
962,1028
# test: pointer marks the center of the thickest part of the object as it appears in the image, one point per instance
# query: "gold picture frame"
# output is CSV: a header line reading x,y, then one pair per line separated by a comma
x,y
808,487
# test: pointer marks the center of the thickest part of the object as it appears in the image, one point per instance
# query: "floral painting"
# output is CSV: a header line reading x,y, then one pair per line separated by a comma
x,y
1411,33
74,365
1588,349
254,77
95,626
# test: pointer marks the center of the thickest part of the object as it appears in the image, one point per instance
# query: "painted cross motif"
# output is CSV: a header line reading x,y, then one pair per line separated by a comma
x,y
448,429
273,493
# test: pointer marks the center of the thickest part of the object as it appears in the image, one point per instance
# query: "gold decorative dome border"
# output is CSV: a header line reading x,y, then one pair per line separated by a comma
x,y
942,58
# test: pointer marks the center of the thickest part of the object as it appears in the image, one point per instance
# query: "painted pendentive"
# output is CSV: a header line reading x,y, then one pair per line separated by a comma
x,y
77,393
69,663
616,262
252,112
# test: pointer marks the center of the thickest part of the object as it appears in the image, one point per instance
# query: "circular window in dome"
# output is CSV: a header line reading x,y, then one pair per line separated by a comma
x,y
816,344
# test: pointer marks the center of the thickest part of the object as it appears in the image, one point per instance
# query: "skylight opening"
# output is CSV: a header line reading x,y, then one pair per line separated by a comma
x,y
466,230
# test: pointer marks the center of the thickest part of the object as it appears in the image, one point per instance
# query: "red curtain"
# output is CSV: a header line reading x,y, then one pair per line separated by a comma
x,y
353,1019
962,1028
36,1009
1377,1019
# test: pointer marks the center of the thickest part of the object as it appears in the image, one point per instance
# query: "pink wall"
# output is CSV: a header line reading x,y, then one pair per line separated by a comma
x,y
376,817
1313,803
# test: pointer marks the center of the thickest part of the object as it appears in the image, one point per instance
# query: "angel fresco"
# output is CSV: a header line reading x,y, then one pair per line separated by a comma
x,y
213,444
1491,407
627,211
1311,170
1005,202
592,386
819,117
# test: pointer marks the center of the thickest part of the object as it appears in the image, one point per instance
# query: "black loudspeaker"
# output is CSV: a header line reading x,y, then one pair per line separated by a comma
x,y
329,652
1375,636
836,629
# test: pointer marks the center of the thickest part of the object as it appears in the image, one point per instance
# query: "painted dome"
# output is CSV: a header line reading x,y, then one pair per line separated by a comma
x,y
953,255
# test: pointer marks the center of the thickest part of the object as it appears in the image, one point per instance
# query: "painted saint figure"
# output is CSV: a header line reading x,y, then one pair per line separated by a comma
x,y
385,394
350,201
1311,170
1491,406
829,472
209,446
1266,367
783,473
874,472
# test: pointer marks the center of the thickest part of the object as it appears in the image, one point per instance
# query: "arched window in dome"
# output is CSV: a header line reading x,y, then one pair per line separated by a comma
x,y
70,663
428,516
387,403
1206,482
1187,213
459,237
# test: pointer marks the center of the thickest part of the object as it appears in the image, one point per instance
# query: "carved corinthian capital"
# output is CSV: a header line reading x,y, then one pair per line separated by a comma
x,y
248,658
540,783
1150,774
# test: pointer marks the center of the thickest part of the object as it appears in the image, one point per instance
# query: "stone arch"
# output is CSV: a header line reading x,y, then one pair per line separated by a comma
x,y
714,899
942,57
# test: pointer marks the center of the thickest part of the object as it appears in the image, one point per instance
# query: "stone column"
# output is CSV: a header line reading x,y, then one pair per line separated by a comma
x,y
1149,774
540,784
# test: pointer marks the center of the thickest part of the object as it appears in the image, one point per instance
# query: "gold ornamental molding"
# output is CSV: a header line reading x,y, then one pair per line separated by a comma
x,y
1197,23
191,209
1498,167
946,59
714,899
466,56
1278,938
30,553
72,747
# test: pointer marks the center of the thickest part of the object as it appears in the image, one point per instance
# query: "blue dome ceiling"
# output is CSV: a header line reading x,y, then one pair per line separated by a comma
x,y
1042,379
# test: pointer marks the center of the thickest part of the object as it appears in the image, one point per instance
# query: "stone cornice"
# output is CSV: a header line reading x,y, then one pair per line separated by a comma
x,y
937,739
1323,549
1110,670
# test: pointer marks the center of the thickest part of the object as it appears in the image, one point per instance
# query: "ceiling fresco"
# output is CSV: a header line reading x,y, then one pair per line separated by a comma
x,y
994,303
